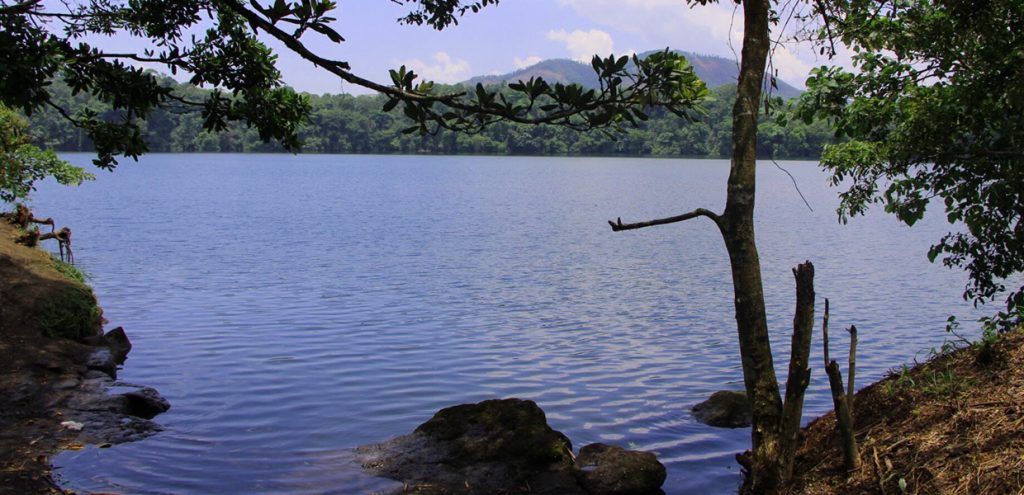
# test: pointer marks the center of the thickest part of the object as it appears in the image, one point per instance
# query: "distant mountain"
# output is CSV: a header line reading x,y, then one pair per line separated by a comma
x,y
713,70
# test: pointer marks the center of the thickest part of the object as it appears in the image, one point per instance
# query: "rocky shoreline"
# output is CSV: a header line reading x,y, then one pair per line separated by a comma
x,y
505,446
58,371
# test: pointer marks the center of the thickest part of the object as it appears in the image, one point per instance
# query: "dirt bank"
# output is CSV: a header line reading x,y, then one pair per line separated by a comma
x,y
47,375
952,425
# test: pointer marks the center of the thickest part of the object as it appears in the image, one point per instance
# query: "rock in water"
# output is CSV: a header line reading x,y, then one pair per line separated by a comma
x,y
725,408
609,470
145,403
498,430
503,447
119,344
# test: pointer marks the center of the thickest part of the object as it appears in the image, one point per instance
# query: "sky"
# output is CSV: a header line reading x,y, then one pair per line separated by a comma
x,y
518,33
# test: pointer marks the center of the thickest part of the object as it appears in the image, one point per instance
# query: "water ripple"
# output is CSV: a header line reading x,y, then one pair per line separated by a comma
x,y
294,307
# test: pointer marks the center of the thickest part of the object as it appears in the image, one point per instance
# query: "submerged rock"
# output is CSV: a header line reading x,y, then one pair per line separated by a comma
x,y
725,408
503,447
609,470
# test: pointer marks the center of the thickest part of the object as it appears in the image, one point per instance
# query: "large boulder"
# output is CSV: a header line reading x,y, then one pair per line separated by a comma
x,y
609,470
498,430
725,408
503,447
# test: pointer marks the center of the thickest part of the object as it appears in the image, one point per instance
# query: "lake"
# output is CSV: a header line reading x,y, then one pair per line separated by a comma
x,y
294,307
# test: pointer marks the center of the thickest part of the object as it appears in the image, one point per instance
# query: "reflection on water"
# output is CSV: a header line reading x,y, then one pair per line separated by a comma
x,y
294,307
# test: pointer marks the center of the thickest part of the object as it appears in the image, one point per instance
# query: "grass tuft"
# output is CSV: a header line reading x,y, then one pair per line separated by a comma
x,y
70,271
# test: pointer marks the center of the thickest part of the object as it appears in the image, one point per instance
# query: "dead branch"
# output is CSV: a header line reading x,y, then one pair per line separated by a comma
x,y
844,413
844,420
63,237
699,212
799,373
44,221
824,332
852,365
22,216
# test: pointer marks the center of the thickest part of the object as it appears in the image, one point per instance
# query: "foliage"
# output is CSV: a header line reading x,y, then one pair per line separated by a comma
x,y
22,164
71,314
215,42
934,111
931,381
357,124
70,271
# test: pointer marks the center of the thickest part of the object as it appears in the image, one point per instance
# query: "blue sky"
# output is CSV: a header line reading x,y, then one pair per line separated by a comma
x,y
516,33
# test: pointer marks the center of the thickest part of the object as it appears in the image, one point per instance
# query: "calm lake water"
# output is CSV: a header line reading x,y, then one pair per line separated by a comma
x,y
294,307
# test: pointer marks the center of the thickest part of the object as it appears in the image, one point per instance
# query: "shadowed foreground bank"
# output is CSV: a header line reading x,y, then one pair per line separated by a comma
x,y
53,385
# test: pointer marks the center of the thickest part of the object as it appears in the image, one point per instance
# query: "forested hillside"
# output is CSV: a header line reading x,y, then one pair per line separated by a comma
x,y
713,70
357,124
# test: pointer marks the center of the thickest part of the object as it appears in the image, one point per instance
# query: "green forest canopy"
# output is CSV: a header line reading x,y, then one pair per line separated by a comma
x,y
344,123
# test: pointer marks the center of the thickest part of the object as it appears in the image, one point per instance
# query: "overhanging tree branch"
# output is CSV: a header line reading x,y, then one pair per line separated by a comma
x,y
672,87
19,8
699,212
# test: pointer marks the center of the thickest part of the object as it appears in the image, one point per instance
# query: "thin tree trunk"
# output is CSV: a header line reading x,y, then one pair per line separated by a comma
x,y
737,226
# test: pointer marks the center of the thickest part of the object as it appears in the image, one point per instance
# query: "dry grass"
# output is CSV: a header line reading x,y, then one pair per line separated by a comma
x,y
949,426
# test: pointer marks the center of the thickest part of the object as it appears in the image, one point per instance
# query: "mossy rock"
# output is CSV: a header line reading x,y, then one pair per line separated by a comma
x,y
610,470
498,430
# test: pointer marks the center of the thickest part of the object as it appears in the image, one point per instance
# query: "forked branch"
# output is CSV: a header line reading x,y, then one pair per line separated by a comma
x,y
617,225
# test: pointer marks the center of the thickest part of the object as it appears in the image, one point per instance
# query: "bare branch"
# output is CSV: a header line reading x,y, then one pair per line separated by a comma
x,y
795,185
828,28
699,212
852,366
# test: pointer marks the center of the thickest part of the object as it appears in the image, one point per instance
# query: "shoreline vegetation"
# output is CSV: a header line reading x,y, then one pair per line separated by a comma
x,y
953,424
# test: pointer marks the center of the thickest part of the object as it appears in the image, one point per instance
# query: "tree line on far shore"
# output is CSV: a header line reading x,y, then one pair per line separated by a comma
x,y
343,123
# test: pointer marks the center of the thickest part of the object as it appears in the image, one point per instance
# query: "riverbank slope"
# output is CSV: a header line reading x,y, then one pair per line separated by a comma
x,y
951,425
53,387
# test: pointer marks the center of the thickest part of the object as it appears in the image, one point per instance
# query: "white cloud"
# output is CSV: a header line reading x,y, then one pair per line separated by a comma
x,y
665,22
444,70
715,29
583,45
790,67
522,63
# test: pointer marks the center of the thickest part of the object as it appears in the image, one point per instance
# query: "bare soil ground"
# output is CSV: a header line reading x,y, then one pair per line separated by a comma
x,y
952,425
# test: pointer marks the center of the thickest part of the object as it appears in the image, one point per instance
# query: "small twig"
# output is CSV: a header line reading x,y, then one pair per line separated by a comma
x,y
699,212
828,29
795,185
878,469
